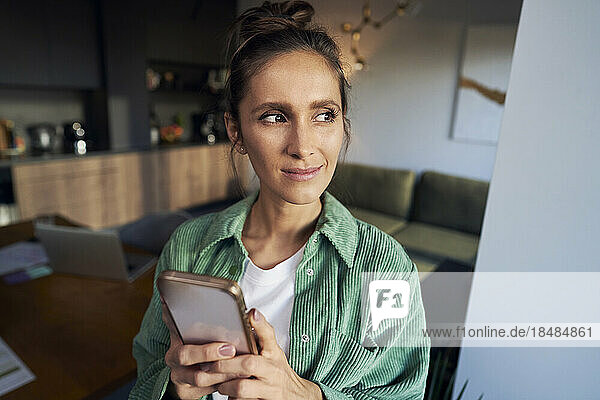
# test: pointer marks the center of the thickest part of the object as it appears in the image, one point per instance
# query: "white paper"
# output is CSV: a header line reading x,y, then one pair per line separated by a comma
x,y
13,372
21,255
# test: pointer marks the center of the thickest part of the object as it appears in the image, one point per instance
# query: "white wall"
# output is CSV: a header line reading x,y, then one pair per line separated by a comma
x,y
542,210
401,108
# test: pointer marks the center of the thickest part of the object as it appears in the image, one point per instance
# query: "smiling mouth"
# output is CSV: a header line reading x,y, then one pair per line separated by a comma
x,y
301,171
300,174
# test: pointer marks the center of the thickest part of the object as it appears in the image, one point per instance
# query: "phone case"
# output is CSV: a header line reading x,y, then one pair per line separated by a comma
x,y
207,309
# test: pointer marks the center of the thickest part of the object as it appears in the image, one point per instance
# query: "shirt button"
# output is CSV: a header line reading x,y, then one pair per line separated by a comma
x,y
305,338
232,270
310,271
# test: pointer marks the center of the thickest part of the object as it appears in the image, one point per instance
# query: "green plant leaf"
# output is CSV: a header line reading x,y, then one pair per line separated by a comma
x,y
439,383
462,391
436,368
449,387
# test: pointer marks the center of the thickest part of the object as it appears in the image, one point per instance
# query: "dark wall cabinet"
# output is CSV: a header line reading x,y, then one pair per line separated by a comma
x,y
101,48
188,31
50,43
23,43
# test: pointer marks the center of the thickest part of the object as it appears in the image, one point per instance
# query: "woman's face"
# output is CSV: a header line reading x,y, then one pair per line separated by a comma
x,y
291,118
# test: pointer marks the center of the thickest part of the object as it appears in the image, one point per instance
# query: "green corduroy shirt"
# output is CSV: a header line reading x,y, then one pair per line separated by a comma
x,y
325,330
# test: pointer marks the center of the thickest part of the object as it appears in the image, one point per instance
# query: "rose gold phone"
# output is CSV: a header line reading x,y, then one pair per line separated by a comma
x,y
207,309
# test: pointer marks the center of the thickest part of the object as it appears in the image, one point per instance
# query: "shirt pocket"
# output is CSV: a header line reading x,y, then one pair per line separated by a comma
x,y
345,360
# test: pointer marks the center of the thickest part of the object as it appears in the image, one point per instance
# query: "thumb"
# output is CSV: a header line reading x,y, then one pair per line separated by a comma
x,y
265,334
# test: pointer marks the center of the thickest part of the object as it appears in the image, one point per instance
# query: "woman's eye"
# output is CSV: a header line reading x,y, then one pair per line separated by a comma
x,y
325,117
273,118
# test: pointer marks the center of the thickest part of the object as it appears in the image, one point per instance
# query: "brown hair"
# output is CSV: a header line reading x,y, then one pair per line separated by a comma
x,y
262,33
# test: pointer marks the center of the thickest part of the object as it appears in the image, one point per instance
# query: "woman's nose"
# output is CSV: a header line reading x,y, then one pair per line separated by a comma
x,y
301,142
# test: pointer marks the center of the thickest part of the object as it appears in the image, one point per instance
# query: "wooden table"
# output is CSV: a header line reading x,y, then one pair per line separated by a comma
x,y
74,333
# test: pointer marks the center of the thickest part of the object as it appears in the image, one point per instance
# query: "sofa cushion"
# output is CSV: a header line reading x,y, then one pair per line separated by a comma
x,y
387,223
152,231
388,191
438,242
450,201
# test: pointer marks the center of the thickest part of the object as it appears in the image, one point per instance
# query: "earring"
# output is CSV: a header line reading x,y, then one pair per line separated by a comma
x,y
242,149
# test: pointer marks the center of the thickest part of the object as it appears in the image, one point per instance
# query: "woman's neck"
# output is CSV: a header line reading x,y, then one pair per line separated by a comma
x,y
273,218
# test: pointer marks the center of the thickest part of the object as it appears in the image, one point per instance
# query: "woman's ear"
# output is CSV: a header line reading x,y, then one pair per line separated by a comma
x,y
233,132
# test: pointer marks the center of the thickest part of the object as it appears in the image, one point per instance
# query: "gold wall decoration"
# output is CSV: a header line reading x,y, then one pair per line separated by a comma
x,y
493,94
402,9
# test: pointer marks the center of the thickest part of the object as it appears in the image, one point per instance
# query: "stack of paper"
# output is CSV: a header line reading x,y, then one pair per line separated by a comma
x,y
21,255
13,373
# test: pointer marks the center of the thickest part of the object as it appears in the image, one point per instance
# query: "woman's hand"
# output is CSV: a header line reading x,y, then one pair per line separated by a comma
x,y
189,378
275,379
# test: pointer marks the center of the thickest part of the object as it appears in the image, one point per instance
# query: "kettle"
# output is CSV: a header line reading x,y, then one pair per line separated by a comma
x,y
42,137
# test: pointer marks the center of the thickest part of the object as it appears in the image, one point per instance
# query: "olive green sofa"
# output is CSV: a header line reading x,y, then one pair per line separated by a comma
x,y
438,216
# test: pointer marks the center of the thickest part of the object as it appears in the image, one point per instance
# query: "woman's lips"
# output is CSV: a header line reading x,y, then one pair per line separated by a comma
x,y
298,174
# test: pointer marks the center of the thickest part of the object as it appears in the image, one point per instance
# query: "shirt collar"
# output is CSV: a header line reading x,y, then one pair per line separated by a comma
x,y
335,222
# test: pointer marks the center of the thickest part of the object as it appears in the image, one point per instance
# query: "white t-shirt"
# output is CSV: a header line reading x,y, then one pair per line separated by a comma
x,y
271,291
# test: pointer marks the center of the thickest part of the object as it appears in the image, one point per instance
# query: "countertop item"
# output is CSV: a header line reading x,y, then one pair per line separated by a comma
x,y
7,161
42,137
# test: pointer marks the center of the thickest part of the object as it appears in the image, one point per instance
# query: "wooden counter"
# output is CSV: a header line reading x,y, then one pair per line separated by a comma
x,y
113,189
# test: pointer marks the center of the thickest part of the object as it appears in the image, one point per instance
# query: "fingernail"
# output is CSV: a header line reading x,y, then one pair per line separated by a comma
x,y
256,315
226,350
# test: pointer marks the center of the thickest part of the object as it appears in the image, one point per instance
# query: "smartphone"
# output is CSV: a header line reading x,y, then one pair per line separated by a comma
x,y
207,309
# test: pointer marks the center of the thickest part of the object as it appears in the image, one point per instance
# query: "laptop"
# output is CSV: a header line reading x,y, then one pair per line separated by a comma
x,y
81,251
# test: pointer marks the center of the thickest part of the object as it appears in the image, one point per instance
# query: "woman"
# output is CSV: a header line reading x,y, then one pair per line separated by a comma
x,y
297,252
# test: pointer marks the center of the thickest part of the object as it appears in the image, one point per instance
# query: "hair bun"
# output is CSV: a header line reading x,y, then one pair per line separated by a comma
x,y
301,12
271,17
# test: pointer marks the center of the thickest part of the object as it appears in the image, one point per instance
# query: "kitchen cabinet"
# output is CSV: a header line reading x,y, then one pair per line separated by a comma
x,y
74,59
23,43
197,175
113,189
188,31
97,191
49,43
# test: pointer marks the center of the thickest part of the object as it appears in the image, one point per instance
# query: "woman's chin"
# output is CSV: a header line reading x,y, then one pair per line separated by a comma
x,y
297,194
